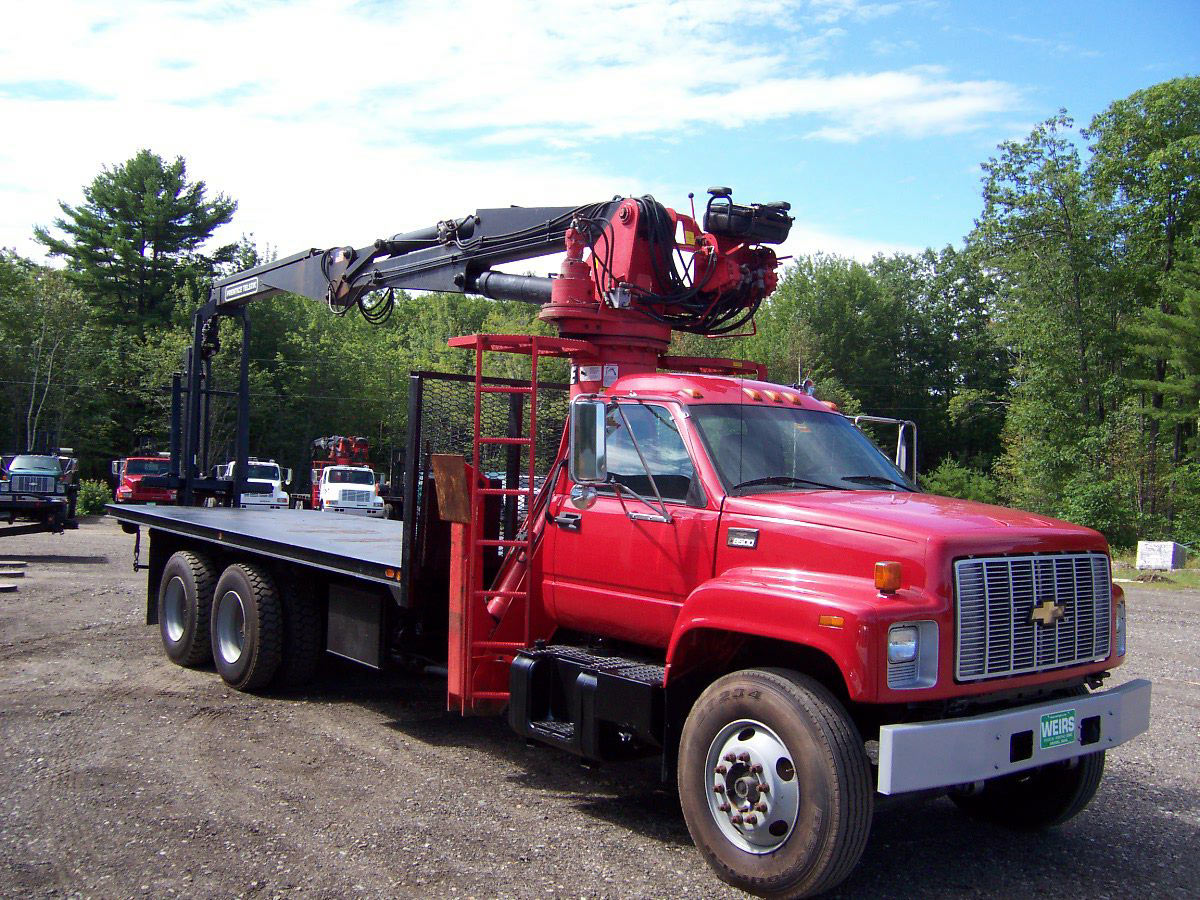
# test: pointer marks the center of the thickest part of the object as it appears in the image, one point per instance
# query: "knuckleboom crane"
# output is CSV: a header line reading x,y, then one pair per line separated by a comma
x,y
634,271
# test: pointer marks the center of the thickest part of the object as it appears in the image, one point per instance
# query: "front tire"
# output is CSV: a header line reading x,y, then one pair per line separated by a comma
x,y
1038,798
774,783
185,594
246,623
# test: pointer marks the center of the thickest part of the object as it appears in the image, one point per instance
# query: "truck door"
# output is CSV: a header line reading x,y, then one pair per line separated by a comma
x,y
613,569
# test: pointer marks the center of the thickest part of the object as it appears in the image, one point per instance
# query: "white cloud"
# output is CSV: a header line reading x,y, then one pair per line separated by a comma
x,y
807,238
334,121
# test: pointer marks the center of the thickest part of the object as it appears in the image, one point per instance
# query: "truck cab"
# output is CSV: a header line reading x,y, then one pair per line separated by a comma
x,y
747,512
353,490
129,473
38,487
266,472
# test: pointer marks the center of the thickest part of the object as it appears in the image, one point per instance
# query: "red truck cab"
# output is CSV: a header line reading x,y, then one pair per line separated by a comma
x,y
130,472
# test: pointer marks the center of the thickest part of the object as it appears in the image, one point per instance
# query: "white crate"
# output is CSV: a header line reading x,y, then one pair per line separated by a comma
x,y
1161,555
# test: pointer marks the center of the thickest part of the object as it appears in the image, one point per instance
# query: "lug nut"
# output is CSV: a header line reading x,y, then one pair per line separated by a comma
x,y
721,770
724,807
756,769
751,819
718,788
736,820
764,789
761,807
743,757
729,757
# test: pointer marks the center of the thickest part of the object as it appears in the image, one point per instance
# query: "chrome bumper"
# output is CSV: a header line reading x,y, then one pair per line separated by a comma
x,y
924,755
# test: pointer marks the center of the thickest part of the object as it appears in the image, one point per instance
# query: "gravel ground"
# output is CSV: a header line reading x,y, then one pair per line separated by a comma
x,y
123,775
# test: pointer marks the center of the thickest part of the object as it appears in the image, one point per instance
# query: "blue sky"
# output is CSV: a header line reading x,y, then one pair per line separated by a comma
x,y
334,122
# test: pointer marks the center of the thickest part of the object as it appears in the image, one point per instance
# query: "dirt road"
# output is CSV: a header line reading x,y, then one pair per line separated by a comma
x,y
123,775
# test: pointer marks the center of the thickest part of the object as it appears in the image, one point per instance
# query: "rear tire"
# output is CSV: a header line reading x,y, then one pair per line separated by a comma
x,y
185,594
303,632
802,834
1038,798
246,624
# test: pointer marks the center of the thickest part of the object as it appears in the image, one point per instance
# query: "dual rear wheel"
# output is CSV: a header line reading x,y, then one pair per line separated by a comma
x,y
258,632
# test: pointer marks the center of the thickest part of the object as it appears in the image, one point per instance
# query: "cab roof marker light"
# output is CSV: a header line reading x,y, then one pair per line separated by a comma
x,y
752,393
690,392
772,395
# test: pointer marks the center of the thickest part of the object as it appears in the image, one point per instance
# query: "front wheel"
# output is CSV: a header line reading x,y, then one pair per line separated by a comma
x,y
774,783
1037,798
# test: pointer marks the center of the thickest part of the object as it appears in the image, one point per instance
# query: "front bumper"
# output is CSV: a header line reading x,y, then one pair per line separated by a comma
x,y
924,755
23,503
375,512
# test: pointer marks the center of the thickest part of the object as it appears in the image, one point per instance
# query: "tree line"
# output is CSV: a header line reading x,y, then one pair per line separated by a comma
x,y
1051,362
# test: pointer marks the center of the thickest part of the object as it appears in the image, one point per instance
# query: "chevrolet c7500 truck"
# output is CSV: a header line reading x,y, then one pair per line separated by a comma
x,y
707,567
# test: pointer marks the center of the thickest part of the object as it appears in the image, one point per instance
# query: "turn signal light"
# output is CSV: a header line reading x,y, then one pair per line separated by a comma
x,y
887,577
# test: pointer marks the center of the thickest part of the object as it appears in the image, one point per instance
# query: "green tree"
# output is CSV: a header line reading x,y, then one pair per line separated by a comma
x,y
1048,244
136,237
1145,168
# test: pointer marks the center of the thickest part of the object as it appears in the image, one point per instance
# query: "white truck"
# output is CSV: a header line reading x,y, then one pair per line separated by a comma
x,y
262,472
350,489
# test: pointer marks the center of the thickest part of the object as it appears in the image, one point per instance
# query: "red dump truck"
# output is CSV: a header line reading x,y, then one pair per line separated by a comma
x,y
702,565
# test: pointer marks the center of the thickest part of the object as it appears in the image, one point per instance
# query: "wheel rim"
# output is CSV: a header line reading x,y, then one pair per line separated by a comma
x,y
753,789
231,627
174,604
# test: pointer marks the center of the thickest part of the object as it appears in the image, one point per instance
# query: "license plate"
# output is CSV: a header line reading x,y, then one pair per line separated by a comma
x,y
1058,729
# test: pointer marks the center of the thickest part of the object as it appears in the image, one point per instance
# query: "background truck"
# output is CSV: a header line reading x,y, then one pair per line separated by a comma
x,y
343,450
268,474
352,490
39,489
701,565
130,473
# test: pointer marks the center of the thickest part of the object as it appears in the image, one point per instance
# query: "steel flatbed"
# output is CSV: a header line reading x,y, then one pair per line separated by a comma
x,y
358,546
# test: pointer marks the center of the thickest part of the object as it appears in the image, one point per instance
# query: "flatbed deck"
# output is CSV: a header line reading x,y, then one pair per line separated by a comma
x,y
352,545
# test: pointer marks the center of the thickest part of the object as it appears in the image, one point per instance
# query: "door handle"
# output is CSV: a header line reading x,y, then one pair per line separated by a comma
x,y
568,521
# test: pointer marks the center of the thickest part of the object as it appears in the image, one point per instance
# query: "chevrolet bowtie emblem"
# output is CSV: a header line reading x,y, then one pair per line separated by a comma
x,y
1047,612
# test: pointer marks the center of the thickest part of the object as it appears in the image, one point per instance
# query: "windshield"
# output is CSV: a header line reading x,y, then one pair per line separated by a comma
x,y
351,476
267,472
28,463
772,448
147,466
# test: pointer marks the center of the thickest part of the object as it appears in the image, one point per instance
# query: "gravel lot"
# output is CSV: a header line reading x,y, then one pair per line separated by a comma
x,y
123,775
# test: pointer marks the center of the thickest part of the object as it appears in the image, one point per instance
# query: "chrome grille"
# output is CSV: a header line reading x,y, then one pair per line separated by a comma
x,y
33,484
357,496
995,599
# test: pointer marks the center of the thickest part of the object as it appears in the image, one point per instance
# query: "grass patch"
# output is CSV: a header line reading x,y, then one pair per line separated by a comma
x,y
1124,569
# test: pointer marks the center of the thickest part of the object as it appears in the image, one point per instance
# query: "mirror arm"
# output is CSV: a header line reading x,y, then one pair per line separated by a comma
x,y
662,507
659,516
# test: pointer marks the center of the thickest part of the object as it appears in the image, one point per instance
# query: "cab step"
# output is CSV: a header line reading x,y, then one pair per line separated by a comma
x,y
599,707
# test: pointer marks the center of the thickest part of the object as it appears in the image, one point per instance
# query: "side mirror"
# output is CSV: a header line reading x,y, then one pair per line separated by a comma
x,y
115,467
287,476
587,458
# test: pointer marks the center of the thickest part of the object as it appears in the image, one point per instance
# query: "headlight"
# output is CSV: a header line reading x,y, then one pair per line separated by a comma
x,y
1121,628
902,644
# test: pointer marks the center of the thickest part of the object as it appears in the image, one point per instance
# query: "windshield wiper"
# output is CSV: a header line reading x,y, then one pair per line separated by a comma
x,y
876,479
787,479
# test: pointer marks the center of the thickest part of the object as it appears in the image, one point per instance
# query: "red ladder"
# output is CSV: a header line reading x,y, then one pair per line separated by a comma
x,y
476,644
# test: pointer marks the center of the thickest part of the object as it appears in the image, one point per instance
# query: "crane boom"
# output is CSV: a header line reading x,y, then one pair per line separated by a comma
x,y
634,272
